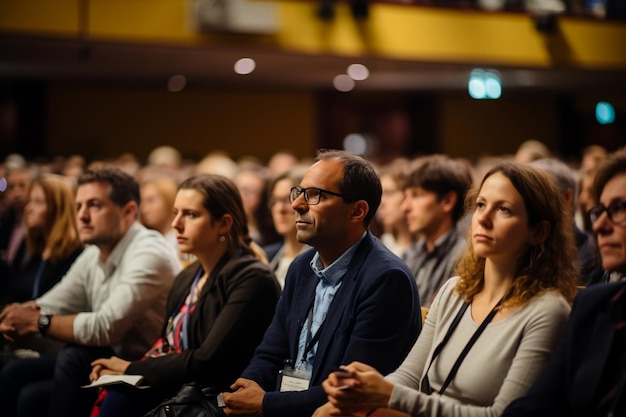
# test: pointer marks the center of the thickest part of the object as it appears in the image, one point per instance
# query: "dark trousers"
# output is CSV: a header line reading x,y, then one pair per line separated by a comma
x,y
29,387
25,386
123,401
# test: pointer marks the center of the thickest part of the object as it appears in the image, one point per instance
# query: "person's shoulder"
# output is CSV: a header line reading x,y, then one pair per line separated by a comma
x,y
246,264
549,303
271,249
144,239
599,293
304,258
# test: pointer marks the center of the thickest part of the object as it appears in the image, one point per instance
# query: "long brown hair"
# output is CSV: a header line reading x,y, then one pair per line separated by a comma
x,y
548,266
60,233
221,196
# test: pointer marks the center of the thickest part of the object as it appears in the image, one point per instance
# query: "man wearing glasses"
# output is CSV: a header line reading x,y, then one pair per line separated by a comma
x,y
348,298
586,376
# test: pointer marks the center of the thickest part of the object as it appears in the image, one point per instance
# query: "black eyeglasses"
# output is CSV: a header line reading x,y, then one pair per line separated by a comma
x,y
616,212
312,195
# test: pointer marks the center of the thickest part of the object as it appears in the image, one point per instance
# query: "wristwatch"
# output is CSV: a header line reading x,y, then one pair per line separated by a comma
x,y
44,323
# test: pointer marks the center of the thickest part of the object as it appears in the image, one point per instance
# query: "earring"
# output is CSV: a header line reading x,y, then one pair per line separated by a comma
x,y
222,238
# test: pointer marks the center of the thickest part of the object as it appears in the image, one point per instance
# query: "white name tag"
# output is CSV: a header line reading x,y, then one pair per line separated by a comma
x,y
292,380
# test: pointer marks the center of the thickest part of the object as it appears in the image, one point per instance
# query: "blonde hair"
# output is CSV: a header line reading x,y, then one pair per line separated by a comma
x,y
167,189
59,236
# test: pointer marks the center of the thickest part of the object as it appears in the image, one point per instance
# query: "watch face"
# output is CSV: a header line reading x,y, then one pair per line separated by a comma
x,y
44,321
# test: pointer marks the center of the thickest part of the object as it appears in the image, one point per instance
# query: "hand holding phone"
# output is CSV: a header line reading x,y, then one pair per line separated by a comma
x,y
341,373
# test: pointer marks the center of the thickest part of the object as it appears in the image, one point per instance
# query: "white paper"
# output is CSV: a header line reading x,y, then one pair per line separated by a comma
x,y
133,380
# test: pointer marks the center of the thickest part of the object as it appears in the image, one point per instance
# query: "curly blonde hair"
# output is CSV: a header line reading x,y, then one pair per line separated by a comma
x,y
549,265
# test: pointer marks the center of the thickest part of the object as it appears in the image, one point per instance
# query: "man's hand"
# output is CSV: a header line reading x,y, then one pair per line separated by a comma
x,y
111,366
247,400
19,320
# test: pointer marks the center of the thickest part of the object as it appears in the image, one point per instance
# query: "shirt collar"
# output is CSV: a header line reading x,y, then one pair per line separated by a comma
x,y
120,248
441,242
335,271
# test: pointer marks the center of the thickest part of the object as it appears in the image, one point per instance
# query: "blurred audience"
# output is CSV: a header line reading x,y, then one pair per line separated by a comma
x,y
12,233
531,150
252,180
586,259
281,162
157,203
434,195
281,253
52,239
395,234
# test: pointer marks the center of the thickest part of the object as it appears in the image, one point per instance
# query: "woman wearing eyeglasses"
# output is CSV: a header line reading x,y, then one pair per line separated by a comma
x,y
586,376
281,254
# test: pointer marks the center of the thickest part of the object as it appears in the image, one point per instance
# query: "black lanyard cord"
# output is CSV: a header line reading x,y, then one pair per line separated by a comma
x,y
425,386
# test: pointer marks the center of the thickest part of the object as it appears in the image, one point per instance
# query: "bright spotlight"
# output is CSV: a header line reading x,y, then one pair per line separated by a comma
x,y
245,66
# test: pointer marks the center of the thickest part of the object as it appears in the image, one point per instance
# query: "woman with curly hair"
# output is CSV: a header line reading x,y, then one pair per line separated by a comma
x,y
489,330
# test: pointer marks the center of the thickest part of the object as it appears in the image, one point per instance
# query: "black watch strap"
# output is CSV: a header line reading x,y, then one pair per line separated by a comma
x,y
44,323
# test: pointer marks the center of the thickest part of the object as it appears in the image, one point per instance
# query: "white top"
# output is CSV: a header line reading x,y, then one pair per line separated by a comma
x,y
501,366
120,303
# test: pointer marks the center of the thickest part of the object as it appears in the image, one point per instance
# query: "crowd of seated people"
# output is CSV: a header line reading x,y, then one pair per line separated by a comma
x,y
524,246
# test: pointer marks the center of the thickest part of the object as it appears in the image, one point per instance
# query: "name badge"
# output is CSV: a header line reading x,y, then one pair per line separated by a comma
x,y
293,380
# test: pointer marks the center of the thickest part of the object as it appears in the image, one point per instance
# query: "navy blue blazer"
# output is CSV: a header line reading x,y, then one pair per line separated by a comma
x,y
374,318
568,386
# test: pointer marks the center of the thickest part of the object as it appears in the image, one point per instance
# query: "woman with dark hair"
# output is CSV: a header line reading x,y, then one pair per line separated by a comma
x,y
218,308
496,323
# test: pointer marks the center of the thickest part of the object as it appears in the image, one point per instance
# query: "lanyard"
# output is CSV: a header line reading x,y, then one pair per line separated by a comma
x,y
192,292
42,267
316,337
425,386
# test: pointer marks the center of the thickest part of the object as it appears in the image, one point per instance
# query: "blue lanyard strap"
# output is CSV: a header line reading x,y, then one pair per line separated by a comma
x,y
42,267
192,292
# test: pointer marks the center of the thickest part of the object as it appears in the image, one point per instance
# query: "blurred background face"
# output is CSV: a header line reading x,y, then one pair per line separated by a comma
x,y
390,212
423,210
18,183
283,215
612,236
155,212
36,209
250,186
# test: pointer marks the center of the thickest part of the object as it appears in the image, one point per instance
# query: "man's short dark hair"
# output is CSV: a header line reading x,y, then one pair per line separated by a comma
x,y
124,188
441,174
359,180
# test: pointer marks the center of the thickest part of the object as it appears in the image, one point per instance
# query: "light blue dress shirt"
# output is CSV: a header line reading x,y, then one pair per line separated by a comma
x,y
330,282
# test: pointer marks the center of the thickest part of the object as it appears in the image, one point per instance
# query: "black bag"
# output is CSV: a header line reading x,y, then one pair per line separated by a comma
x,y
190,401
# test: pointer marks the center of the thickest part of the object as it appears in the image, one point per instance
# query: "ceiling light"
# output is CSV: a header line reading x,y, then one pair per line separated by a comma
x,y
358,72
343,83
245,66
176,83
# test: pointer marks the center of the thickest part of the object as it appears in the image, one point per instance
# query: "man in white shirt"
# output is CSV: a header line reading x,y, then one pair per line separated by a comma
x,y
111,301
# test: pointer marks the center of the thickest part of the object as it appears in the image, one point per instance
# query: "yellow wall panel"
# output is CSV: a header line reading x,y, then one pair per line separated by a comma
x,y
53,17
109,121
155,20
393,31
